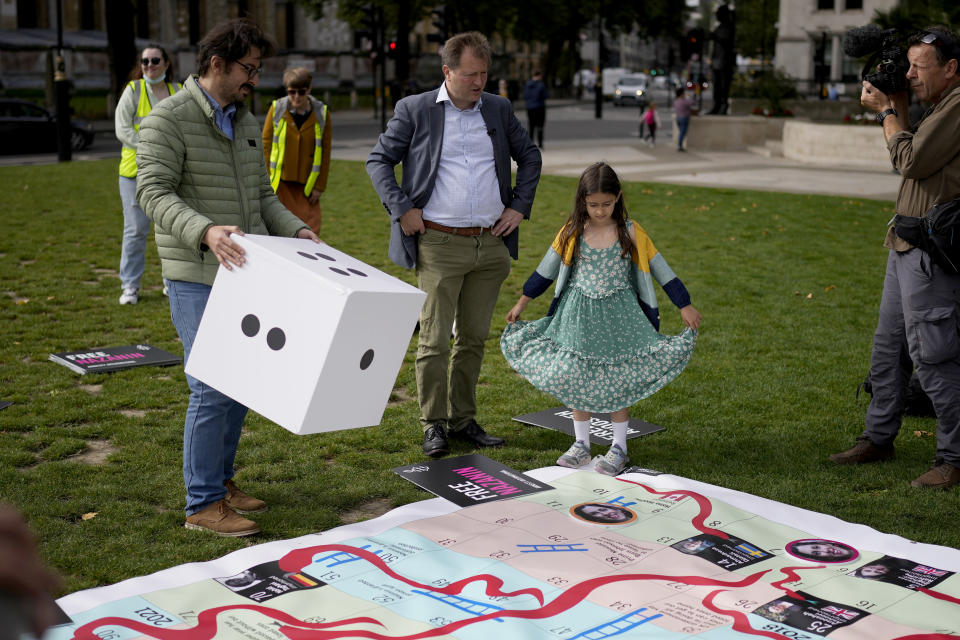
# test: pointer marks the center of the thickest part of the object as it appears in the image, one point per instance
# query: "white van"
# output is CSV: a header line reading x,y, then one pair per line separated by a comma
x,y
631,89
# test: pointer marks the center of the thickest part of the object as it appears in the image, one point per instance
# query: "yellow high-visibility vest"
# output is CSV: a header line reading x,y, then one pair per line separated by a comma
x,y
128,156
279,142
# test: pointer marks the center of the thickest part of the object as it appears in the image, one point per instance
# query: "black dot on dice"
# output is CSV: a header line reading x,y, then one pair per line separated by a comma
x,y
359,273
250,325
276,338
306,255
366,359
340,271
326,257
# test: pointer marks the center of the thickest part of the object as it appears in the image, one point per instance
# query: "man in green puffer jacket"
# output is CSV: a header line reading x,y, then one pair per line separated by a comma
x,y
201,178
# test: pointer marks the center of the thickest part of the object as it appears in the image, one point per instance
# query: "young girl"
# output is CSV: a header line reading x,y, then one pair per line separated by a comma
x,y
652,119
598,349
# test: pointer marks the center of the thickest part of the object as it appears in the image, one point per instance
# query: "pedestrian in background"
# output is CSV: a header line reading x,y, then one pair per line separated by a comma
x,y
296,144
535,97
150,82
682,108
652,119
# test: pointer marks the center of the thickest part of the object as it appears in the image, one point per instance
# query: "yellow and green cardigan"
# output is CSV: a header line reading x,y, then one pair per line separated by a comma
x,y
648,265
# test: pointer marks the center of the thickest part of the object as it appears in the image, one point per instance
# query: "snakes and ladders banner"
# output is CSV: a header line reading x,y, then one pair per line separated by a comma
x,y
638,556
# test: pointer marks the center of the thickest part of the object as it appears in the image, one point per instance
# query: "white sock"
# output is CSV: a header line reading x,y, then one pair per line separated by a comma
x,y
581,431
620,434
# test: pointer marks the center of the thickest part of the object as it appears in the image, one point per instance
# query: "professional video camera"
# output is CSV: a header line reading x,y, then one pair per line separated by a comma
x,y
886,69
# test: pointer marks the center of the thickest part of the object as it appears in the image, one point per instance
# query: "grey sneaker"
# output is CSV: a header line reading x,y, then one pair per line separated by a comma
x,y
576,456
612,463
129,295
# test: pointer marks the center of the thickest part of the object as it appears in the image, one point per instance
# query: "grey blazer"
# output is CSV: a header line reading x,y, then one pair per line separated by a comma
x,y
413,138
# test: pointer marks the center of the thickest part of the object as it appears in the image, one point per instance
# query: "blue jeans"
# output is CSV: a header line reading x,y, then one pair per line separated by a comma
x,y
136,228
682,125
211,431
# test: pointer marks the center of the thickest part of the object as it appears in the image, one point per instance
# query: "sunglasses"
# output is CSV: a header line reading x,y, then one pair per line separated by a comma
x,y
148,61
251,70
296,92
931,38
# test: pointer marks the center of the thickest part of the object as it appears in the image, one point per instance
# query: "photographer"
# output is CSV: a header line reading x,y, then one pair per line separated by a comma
x,y
919,305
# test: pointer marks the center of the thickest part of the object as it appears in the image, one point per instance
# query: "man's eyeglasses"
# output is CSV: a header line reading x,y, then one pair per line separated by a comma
x,y
251,70
931,38
296,92
148,61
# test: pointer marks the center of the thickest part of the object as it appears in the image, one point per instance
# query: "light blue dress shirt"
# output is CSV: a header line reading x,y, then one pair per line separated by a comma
x,y
223,117
467,192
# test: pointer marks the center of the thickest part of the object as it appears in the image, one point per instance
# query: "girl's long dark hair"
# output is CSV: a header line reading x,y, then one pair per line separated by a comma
x,y
597,178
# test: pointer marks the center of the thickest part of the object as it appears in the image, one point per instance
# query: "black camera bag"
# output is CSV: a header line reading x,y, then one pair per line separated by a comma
x,y
942,224
937,233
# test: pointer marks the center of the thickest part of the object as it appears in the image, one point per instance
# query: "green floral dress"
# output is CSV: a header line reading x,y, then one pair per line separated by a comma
x,y
598,352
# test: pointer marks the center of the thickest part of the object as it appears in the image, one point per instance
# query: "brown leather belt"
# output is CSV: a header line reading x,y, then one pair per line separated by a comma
x,y
459,231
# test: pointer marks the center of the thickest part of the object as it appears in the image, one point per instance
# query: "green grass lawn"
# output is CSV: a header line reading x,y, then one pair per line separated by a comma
x,y
788,286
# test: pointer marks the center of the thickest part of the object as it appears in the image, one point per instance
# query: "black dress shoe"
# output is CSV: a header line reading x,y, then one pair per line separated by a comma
x,y
435,441
475,434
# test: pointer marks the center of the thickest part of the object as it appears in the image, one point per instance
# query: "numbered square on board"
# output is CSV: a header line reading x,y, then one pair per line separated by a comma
x,y
305,335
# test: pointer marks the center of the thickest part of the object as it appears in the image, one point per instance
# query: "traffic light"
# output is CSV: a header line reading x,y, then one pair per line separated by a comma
x,y
441,21
392,49
692,43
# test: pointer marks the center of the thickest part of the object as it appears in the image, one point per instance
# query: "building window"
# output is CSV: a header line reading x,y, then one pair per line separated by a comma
x,y
27,14
854,5
825,5
143,19
87,15
290,25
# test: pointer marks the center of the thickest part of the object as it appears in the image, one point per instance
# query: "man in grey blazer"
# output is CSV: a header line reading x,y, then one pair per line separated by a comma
x,y
454,218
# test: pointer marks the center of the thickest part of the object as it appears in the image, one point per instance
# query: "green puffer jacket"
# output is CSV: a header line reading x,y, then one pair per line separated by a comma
x,y
190,176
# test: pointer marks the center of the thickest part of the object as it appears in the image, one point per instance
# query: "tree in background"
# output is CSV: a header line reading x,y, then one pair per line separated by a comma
x,y
913,15
756,30
558,23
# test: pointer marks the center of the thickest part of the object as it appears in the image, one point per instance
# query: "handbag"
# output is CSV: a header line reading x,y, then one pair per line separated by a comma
x,y
937,233
942,224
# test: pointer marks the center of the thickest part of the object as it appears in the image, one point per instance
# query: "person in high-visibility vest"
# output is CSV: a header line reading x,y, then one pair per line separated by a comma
x,y
296,145
150,82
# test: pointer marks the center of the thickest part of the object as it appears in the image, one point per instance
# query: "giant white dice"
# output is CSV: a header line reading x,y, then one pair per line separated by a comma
x,y
305,335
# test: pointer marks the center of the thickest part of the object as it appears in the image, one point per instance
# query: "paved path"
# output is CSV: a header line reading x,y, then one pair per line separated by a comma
x,y
634,160
734,170
616,143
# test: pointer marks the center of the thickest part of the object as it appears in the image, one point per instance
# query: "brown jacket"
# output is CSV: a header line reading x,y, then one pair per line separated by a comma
x,y
929,161
298,152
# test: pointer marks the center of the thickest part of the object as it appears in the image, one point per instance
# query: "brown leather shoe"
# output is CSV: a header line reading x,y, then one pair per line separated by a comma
x,y
241,502
864,451
221,520
942,475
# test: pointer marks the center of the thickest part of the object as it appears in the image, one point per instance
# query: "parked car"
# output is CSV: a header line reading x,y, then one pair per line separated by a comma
x,y
26,127
631,89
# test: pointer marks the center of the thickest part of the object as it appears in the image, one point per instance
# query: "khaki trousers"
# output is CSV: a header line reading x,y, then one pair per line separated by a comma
x,y
461,276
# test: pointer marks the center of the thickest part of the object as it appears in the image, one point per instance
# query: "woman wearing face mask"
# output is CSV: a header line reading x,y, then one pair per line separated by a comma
x,y
151,80
296,143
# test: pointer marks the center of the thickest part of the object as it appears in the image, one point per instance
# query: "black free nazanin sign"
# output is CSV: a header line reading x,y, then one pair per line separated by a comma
x,y
561,419
470,479
103,359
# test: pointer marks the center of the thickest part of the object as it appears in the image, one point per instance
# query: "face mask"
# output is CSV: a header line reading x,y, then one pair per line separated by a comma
x,y
157,81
